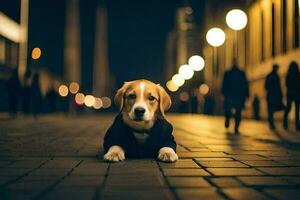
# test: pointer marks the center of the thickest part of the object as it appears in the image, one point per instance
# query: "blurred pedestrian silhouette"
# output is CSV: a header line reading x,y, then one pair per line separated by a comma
x,y
256,108
36,95
292,82
209,104
194,102
26,92
13,88
51,98
235,91
274,94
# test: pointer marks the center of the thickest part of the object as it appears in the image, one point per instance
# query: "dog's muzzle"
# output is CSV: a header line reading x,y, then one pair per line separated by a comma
x,y
139,113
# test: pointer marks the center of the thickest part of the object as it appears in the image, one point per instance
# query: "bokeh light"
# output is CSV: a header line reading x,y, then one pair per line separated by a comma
x,y
236,19
89,100
178,80
79,98
215,37
196,63
74,87
98,103
106,102
63,90
36,53
186,72
172,86
184,96
203,89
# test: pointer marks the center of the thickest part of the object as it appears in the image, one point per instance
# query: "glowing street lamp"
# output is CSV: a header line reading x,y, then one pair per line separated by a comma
x,y
178,80
196,63
89,100
36,53
215,37
172,86
63,90
186,72
236,19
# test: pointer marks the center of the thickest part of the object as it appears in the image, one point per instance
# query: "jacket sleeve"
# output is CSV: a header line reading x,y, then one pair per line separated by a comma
x,y
112,136
168,138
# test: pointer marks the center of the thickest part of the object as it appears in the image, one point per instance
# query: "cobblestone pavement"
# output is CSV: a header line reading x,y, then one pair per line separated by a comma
x,y
55,157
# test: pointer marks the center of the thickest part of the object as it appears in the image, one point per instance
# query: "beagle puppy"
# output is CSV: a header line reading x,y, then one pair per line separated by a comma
x,y
140,130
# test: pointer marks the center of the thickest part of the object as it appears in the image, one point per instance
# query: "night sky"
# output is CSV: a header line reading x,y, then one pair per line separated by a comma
x,y
136,29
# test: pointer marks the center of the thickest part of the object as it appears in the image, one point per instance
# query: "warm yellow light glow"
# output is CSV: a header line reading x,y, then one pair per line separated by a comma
x,y
203,89
9,28
172,86
36,53
74,87
236,19
63,90
106,102
186,72
184,96
178,80
89,100
196,63
98,103
79,98
215,37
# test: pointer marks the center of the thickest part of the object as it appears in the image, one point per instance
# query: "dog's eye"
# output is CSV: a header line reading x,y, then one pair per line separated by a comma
x,y
131,96
151,98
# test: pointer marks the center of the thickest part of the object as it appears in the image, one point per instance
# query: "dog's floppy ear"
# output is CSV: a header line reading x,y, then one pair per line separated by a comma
x,y
119,97
164,100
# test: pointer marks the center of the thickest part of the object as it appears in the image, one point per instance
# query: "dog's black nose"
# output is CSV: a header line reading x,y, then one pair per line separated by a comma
x,y
139,111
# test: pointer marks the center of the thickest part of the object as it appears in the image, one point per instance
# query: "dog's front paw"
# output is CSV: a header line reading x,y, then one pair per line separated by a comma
x,y
167,154
114,154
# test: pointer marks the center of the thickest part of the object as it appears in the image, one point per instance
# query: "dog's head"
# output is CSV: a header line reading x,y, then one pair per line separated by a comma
x,y
141,102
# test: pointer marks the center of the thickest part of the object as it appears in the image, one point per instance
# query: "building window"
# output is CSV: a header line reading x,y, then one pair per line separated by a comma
x,y
296,23
283,7
273,29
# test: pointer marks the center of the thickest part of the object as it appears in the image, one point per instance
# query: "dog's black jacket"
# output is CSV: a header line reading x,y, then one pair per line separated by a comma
x,y
160,135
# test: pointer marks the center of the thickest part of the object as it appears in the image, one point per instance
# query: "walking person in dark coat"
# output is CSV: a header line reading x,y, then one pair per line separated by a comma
x,y
36,95
274,94
13,88
292,82
256,108
235,91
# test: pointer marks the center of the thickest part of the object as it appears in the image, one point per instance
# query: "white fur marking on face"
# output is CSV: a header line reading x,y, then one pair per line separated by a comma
x,y
141,103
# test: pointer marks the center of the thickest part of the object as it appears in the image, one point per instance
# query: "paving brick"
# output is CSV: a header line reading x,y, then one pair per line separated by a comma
x,y
201,154
134,181
185,172
14,171
82,181
188,182
263,181
50,172
149,194
183,163
222,164
281,170
244,193
233,171
213,159
225,182
248,157
283,194
61,163
71,193
264,163
196,194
